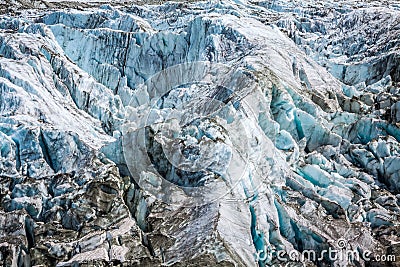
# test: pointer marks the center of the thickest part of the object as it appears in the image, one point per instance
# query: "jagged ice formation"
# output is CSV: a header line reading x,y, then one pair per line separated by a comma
x,y
199,134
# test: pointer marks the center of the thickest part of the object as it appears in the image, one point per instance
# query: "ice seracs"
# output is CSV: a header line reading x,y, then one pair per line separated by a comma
x,y
284,119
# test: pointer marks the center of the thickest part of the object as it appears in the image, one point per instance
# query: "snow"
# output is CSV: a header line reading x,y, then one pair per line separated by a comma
x,y
199,130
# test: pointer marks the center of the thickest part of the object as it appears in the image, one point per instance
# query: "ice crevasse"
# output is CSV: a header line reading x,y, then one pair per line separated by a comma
x,y
195,134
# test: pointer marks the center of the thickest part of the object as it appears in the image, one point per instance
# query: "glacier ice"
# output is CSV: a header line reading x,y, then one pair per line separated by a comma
x,y
195,134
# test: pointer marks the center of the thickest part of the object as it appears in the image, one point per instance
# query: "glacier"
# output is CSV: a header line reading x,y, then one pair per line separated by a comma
x,y
207,133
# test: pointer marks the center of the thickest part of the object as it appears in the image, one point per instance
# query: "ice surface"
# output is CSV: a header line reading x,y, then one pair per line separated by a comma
x,y
283,118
